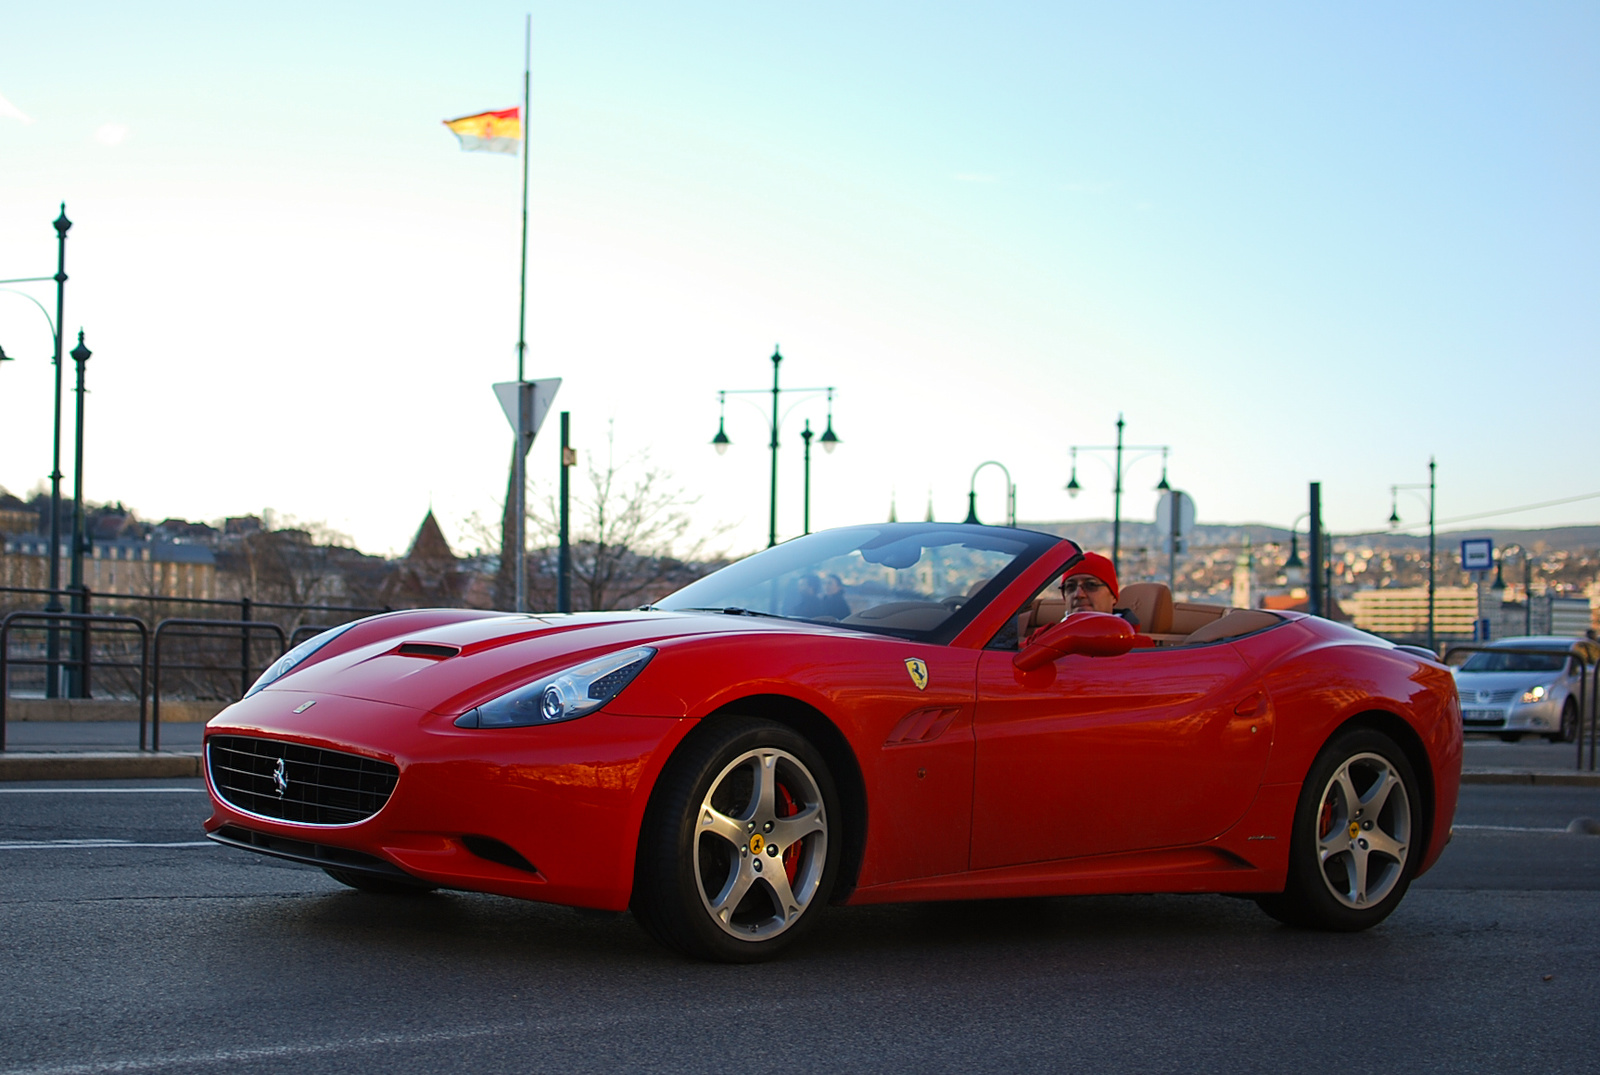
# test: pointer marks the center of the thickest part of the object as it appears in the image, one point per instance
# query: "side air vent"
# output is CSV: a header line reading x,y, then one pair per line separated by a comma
x,y
431,650
487,847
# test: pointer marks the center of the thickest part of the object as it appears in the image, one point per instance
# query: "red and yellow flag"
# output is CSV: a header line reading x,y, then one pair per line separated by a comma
x,y
491,132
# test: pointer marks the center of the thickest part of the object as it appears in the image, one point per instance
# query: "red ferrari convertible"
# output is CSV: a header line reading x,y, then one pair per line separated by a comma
x,y
865,715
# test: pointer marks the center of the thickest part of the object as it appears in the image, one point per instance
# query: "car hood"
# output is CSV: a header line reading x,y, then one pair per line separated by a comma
x,y
451,667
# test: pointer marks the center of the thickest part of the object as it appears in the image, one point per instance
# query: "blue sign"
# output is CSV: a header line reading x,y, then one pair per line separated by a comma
x,y
1477,554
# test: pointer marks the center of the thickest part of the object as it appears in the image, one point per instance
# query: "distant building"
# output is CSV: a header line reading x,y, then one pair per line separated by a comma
x,y
432,575
138,568
1405,611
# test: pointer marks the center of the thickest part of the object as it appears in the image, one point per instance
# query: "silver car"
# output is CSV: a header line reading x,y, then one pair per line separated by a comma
x,y
1509,690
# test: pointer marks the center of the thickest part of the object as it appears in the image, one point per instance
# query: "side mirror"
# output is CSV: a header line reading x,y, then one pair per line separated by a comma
x,y
1091,634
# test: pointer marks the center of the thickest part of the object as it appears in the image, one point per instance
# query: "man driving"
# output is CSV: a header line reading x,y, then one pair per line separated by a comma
x,y
1090,585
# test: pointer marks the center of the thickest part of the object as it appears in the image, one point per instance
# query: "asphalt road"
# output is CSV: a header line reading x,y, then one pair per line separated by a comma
x,y
127,944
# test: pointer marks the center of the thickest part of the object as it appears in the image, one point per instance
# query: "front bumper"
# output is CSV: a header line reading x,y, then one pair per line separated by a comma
x,y
1542,716
548,813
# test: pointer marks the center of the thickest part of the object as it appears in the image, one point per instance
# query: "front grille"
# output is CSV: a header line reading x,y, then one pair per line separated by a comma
x,y
318,787
1500,697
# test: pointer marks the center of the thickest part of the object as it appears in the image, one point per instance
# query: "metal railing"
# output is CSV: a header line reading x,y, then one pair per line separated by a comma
x,y
176,626
1587,657
160,654
48,620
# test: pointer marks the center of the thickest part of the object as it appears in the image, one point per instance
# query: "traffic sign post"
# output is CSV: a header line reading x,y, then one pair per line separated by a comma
x,y
525,403
1175,522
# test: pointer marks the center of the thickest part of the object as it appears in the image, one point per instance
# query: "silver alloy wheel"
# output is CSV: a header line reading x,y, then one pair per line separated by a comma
x,y
1363,830
760,844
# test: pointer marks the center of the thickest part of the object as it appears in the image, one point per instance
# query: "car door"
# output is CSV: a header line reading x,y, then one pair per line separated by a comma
x,y
1093,755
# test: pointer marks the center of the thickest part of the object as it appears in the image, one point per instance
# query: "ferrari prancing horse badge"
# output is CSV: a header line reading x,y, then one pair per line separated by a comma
x,y
919,672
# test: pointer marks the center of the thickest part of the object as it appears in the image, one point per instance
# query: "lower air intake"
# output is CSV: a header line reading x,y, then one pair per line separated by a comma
x,y
291,782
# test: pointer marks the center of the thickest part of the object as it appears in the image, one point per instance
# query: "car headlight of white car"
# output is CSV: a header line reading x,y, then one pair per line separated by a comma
x,y
1535,694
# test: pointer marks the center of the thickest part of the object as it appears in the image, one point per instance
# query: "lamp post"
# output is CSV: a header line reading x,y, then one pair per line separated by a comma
x,y
806,435
1394,521
1073,488
972,495
80,604
53,643
1527,583
1294,563
829,440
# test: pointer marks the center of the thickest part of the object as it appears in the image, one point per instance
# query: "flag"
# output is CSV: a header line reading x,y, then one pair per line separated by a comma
x,y
492,132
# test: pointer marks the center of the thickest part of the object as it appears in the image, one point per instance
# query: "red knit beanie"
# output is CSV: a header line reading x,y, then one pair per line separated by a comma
x,y
1098,566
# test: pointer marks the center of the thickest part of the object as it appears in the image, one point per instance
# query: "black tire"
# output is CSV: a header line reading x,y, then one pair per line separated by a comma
x,y
1569,724
707,881
1350,868
382,886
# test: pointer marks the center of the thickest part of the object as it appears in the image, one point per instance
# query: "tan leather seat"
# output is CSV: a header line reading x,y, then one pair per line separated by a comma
x,y
1236,622
1151,605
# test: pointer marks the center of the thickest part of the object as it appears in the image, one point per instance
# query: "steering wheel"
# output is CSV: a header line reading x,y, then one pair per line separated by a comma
x,y
953,602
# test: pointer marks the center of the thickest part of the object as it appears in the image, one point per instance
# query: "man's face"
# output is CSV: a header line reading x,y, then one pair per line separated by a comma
x,y
1085,593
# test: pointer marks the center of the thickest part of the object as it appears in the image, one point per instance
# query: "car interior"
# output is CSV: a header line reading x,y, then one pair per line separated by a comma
x,y
1167,622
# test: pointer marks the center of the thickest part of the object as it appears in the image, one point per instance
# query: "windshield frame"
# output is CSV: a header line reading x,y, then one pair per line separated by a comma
x,y
1034,545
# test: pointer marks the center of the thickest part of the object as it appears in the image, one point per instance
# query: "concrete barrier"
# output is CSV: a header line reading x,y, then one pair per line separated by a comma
x,y
132,765
89,709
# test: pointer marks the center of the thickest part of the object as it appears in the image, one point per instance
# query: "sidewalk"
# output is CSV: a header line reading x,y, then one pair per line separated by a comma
x,y
109,750
1487,760
97,750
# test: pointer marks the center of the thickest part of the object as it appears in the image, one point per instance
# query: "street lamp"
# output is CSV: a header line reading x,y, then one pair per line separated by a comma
x,y
53,643
1394,521
1073,488
1527,583
80,604
829,439
972,495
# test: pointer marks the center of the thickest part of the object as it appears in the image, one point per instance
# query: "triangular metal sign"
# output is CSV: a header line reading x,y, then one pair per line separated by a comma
x,y
526,403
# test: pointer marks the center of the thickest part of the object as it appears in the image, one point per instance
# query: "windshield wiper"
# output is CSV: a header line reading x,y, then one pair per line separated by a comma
x,y
732,610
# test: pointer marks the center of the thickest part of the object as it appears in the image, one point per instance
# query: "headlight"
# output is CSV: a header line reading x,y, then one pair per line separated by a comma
x,y
567,695
283,665
1537,694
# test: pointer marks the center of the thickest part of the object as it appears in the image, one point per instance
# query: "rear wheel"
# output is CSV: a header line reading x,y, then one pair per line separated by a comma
x,y
735,855
1350,854
383,886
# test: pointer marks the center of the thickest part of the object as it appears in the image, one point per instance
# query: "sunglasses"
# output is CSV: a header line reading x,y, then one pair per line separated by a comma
x,y
1073,585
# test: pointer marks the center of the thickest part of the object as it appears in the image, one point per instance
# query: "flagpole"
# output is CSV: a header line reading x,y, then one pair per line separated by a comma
x,y
519,462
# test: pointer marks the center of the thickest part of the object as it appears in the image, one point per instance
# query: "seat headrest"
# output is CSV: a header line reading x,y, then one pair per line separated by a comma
x,y
1151,602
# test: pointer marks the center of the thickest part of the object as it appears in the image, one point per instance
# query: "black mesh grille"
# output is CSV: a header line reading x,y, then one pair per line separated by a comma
x,y
323,787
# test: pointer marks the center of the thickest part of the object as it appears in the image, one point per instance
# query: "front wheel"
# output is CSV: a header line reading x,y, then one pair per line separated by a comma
x,y
1350,853
738,850
1569,724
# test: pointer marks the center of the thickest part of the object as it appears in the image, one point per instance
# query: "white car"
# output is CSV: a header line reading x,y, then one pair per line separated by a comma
x,y
1525,685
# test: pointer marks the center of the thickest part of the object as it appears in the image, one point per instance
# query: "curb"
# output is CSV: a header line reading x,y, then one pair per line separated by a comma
x,y
107,765
1572,779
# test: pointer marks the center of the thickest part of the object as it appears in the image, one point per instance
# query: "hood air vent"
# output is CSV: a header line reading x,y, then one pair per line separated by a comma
x,y
431,650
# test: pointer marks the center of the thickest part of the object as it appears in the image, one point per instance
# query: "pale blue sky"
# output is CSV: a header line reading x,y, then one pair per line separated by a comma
x,y
1295,245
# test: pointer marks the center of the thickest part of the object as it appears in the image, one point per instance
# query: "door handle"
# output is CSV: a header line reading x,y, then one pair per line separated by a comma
x,y
1250,706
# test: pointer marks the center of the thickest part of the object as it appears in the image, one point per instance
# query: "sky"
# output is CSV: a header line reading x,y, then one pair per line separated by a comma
x,y
1290,243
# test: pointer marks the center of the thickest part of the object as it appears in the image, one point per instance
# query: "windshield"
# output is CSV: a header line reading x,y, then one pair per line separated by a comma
x,y
1492,661
919,580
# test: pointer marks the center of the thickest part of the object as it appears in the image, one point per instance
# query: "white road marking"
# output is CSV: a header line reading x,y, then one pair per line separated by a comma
x,y
269,1052
77,845
1501,828
101,791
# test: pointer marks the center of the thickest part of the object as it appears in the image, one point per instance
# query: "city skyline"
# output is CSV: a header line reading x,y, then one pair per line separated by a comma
x,y
1292,246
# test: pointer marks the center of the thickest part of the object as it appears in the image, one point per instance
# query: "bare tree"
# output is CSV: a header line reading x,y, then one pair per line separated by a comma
x,y
633,537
